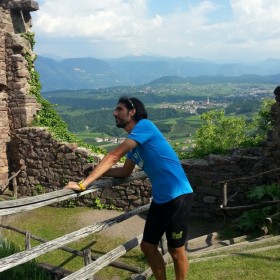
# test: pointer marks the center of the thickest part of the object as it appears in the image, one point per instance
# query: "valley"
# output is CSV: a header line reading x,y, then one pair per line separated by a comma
x,y
174,107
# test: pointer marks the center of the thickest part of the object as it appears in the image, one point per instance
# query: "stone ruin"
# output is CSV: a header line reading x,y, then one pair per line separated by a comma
x,y
17,107
43,161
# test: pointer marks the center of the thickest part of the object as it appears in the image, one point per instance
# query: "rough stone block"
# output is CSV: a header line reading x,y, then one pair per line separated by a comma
x,y
24,5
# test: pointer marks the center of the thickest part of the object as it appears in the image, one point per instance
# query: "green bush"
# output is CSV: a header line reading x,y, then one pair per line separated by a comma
x,y
254,220
26,271
220,133
47,116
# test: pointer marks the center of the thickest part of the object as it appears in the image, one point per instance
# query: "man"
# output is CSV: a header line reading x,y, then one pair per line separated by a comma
x,y
171,190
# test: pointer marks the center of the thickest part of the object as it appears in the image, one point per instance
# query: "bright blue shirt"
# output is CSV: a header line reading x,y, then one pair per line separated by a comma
x,y
156,157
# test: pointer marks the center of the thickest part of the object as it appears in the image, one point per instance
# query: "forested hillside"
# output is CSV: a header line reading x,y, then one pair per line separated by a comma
x,y
175,105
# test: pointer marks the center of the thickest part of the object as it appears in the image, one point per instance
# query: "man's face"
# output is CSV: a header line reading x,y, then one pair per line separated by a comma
x,y
122,115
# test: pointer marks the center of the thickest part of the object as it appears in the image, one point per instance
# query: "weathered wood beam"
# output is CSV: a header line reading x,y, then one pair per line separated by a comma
x,y
249,177
252,206
6,184
54,270
148,272
75,252
273,218
228,199
25,256
9,207
91,269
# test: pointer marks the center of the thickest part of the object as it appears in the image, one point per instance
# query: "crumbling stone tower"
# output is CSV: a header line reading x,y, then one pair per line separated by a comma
x,y
17,107
31,152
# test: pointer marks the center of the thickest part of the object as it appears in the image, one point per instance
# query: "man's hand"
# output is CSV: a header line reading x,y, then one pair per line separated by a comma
x,y
73,186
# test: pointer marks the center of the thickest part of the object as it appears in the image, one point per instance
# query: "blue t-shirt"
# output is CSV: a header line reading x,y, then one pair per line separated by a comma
x,y
156,157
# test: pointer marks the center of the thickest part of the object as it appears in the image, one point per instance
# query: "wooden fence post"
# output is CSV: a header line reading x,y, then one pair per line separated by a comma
x,y
163,245
27,240
88,260
15,187
225,195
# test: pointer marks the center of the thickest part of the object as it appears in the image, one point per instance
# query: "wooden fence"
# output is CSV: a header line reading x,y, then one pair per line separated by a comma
x,y
10,207
224,206
273,219
86,254
30,203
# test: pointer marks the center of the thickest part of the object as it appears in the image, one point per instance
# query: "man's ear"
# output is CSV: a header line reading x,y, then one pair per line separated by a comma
x,y
133,112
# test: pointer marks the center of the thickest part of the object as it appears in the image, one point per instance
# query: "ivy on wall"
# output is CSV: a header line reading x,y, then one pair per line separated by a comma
x,y
48,116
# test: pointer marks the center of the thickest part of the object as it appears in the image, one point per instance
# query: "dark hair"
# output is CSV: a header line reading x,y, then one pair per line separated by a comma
x,y
277,90
134,103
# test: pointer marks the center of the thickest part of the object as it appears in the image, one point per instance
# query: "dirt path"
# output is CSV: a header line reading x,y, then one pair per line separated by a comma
x,y
128,228
135,225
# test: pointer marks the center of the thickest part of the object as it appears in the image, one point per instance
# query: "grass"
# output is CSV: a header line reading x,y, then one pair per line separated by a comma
x,y
262,265
26,271
246,266
50,223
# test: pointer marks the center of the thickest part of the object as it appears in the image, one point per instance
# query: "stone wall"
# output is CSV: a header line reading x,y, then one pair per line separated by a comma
x,y
47,165
17,108
243,169
4,124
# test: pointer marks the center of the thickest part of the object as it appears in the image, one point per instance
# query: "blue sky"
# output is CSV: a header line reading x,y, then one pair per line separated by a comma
x,y
217,30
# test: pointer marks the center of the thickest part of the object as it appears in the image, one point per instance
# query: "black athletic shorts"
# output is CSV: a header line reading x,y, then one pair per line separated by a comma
x,y
170,217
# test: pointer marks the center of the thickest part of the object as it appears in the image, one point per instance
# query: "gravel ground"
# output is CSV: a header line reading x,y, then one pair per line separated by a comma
x,y
128,228
135,225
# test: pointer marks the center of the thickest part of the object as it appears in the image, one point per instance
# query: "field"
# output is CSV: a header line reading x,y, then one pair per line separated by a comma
x,y
51,222
175,108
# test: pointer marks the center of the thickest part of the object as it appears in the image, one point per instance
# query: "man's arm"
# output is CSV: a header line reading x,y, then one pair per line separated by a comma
x,y
106,163
123,171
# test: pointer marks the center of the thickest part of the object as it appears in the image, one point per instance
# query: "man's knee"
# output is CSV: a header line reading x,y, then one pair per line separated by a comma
x,y
177,253
148,248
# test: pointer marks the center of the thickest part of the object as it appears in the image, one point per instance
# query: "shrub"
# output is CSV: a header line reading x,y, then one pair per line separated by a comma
x,y
254,220
220,133
26,271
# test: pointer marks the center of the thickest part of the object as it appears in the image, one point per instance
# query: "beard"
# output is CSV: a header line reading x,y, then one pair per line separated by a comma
x,y
121,123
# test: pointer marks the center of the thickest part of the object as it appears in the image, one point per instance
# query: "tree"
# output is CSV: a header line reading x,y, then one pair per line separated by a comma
x,y
219,133
262,120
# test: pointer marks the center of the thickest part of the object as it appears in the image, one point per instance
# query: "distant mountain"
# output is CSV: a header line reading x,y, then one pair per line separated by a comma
x,y
253,79
90,73
76,73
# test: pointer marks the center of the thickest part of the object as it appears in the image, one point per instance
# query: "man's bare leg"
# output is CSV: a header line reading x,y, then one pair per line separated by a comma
x,y
181,262
154,259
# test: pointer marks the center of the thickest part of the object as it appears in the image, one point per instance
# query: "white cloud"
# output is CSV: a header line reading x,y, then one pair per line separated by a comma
x,y
259,19
119,27
88,18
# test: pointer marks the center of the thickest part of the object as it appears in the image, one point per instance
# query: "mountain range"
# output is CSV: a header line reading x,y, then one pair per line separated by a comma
x,y
92,73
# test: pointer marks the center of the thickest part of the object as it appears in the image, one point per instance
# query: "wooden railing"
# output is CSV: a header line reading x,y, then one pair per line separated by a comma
x,y
224,206
30,203
85,254
10,207
14,182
